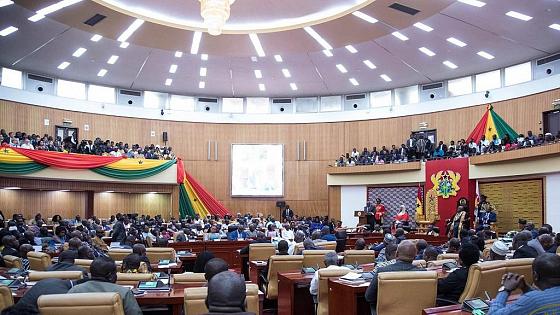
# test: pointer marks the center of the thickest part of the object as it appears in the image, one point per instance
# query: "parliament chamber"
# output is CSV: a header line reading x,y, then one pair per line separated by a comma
x,y
279,157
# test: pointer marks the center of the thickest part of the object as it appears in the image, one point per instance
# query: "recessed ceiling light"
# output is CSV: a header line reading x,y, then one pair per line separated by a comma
x,y
173,68
257,44
293,86
201,84
254,59
555,26
423,27
262,87
102,73
351,49
386,78
341,68
278,58
197,36
353,81
327,53
63,190
450,64
369,64
109,191
474,3
178,54
36,17
130,30
96,38
399,36
168,81
63,65
427,51
124,44
4,3
8,30
12,188
484,54
286,73
318,38
258,74
456,42
203,71
40,14
204,57
519,16
80,51
365,17
113,59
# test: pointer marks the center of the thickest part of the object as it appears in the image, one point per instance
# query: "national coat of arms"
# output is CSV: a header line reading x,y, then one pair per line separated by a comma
x,y
446,183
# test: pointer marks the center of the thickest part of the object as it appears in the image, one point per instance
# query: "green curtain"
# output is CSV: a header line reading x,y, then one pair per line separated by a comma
x,y
21,168
132,174
185,206
503,127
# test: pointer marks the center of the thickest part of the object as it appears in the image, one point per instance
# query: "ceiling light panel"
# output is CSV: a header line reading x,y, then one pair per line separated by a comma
x,y
168,81
427,51
102,73
318,38
173,68
354,81
386,78
519,16
178,54
130,30
456,42
399,36
4,3
327,53
341,68
293,86
485,55
113,59
351,49
258,74
262,87
203,71
555,26
369,64
286,73
423,27
474,3
197,36
124,44
79,52
204,57
450,64
40,14
365,17
96,38
201,84
8,30
257,44
278,58
63,65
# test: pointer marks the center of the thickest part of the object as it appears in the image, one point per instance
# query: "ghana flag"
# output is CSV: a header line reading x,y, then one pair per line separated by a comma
x,y
491,124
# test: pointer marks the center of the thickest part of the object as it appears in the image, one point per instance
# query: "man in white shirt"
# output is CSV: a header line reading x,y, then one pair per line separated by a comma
x,y
27,145
484,144
331,261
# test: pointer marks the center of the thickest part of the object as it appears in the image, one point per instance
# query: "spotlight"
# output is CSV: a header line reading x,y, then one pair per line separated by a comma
x,y
162,112
487,94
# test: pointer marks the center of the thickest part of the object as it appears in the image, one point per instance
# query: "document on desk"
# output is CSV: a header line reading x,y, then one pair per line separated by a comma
x,y
351,276
171,265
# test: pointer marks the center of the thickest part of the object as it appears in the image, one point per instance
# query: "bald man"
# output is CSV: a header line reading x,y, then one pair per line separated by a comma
x,y
226,294
406,252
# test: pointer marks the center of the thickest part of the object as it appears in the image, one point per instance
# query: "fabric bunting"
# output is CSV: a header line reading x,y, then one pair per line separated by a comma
x,y
67,160
110,171
491,124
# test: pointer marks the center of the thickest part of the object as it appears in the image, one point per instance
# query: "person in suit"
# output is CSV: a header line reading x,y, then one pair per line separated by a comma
x,y
451,288
66,261
11,246
406,251
369,209
119,231
226,294
213,267
403,153
519,244
45,287
287,213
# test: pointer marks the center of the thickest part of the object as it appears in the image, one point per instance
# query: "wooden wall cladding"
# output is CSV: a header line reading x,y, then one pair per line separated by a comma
x,y
68,204
305,186
513,200
107,204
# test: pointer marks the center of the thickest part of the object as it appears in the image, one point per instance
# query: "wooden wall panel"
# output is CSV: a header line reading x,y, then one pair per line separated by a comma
x,y
107,204
30,202
334,202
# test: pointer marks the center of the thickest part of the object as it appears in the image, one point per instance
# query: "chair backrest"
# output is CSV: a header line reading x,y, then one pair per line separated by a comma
x,y
421,263
484,276
323,296
329,245
64,275
84,263
522,266
195,300
109,303
6,298
261,251
132,278
298,249
315,257
190,278
39,261
359,257
13,261
118,254
280,263
439,263
419,288
448,256
155,254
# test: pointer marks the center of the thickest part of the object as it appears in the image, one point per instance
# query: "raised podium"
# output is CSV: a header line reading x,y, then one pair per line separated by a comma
x,y
361,215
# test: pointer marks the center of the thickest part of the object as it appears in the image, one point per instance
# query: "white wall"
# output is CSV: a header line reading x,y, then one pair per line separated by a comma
x,y
352,198
552,215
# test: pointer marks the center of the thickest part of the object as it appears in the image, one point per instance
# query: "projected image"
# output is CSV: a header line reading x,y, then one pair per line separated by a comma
x,y
257,170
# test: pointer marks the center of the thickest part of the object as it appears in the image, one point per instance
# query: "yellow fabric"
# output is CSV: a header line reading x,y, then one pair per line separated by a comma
x,y
8,155
490,128
197,205
135,164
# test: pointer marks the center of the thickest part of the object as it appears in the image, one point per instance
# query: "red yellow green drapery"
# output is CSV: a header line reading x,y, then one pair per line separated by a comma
x,y
491,124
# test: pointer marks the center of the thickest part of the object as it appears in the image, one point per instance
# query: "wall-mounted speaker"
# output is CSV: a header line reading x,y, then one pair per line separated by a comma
x,y
546,67
282,106
432,91
207,105
39,84
356,102
130,98
165,137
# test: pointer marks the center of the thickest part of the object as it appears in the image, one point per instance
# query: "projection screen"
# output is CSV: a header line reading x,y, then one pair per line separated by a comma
x,y
257,170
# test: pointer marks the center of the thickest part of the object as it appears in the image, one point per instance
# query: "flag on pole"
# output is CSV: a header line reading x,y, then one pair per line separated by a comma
x,y
419,203
476,202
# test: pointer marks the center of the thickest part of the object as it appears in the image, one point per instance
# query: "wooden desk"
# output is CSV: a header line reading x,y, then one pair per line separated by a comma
x,y
188,261
347,298
255,269
227,250
174,269
456,309
293,294
372,238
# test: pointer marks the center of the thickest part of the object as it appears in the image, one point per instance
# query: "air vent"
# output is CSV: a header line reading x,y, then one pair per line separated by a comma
x,y
95,19
432,86
281,101
403,8
129,92
39,78
208,100
355,97
546,60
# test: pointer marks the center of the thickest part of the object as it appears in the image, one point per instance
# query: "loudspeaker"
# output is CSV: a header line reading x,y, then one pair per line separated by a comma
x,y
165,139
546,67
39,84
356,102
280,203
433,91
130,98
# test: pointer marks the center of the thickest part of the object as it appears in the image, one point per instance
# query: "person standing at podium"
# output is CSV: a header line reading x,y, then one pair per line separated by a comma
x,y
379,211
370,215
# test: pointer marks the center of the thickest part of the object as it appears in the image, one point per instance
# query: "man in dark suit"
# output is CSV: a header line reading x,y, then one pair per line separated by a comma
x,y
519,244
405,255
452,287
66,261
119,232
287,213
369,209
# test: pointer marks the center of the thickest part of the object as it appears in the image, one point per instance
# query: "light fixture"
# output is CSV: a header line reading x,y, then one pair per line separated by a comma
x,y
215,14
80,51
96,38
4,3
365,17
201,84
124,44
262,87
278,58
427,51
456,42
36,17
63,65
173,68
257,44
286,73
555,26
204,57
168,81
353,81
113,59
178,54
197,36
203,71
474,3
102,73
450,64
8,30
519,16
258,74
130,30
318,38
351,49
369,64
51,8
423,27
12,188
327,53
386,78
485,55
293,86
109,191
400,36
341,68
63,190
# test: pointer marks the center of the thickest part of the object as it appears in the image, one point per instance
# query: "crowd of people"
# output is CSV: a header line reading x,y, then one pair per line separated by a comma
x,y
93,147
420,147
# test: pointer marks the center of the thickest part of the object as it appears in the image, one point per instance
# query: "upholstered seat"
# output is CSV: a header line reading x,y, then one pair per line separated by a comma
x,y
189,278
359,257
280,263
483,277
118,254
65,275
155,254
323,296
315,258
6,298
439,263
522,266
448,256
39,261
419,289
261,251
420,263
329,245
13,261
84,263
132,278
195,300
97,303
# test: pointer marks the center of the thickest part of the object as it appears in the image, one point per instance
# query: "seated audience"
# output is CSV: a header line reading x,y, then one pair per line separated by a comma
x,y
331,262
140,250
131,264
498,251
454,245
519,244
542,243
45,287
226,294
213,267
11,246
66,261
23,250
327,235
430,253
421,245
390,255
451,288
201,261
360,244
